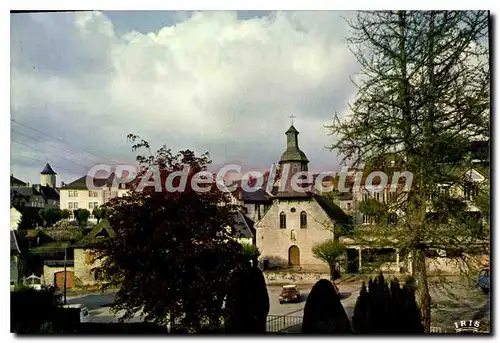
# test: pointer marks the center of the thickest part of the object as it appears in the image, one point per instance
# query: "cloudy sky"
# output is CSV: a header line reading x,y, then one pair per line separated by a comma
x,y
223,82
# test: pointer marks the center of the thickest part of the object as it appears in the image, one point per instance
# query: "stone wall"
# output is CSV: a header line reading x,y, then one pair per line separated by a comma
x,y
83,267
294,277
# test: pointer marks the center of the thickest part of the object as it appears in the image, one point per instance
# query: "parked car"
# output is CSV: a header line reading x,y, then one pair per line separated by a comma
x,y
483,280
289,293
77,313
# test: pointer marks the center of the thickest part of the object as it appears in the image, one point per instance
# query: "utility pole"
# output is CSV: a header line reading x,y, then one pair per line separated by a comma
x,y
65,257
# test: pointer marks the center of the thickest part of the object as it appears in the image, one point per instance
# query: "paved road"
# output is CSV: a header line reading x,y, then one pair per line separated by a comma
x,y
99,304
348,294
454,302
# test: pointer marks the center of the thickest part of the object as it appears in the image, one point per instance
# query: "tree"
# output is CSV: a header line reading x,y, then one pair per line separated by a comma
x,y
83,216
329,251
172,257
50,215
247,303
65,214
323,312
98,213
423,95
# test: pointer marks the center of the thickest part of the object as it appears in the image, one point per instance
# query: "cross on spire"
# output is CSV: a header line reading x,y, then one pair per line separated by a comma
x,y
292,117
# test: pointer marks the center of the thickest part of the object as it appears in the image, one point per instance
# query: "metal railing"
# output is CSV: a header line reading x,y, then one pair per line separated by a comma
x,y
284,323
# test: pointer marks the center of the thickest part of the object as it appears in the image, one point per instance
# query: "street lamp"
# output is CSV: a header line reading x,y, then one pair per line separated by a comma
x,y
65,258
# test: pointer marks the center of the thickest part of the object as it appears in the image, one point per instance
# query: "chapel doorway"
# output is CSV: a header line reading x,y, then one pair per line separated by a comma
x,y
294,256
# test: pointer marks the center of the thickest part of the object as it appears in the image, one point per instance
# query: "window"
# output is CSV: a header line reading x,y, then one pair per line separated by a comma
x,y
93,194
282,220
303,220
444,189
72,194
293,210
470,191
73,205
349,206
93,205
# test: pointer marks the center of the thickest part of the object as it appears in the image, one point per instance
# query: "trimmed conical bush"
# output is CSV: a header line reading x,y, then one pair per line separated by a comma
x,y
323,312
247,304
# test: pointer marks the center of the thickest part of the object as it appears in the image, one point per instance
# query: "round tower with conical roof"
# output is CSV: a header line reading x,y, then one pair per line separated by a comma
x,y
48,176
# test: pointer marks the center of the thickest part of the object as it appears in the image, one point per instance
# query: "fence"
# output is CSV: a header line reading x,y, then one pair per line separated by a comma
x,y
284,324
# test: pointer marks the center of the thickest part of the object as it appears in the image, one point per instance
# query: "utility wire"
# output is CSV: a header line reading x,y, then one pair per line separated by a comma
x,y
59,139
45,152
53,144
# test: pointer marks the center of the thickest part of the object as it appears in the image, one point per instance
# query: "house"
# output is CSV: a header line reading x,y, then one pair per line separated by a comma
x,y
76,195
460,182
253,204
42,195
296,221
84,261
243,229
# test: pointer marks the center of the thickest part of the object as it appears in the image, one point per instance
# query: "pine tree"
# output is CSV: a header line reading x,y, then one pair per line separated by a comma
x,y
423,95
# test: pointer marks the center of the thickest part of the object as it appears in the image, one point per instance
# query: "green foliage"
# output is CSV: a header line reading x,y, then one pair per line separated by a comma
x,y
329,251
250,250
65,214
30,218
98,213
83,216
423,95
372,207
384,309
247,303
50,216
323,312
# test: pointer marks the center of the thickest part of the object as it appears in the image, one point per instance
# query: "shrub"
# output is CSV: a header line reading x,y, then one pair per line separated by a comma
x,y
323,312
247,303
32,309
384,308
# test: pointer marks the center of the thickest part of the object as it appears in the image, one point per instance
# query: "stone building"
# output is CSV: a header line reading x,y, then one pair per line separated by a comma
x,y
84,261
42,195
296,221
